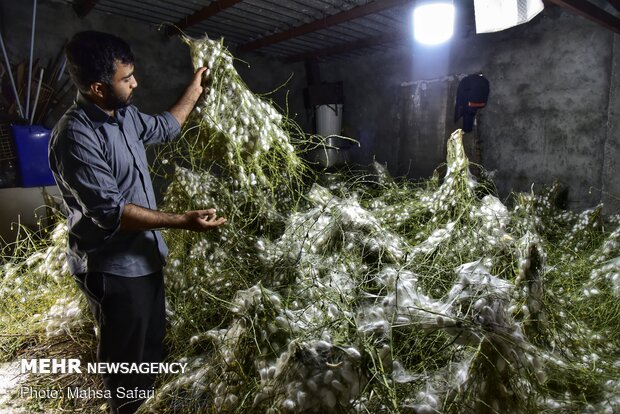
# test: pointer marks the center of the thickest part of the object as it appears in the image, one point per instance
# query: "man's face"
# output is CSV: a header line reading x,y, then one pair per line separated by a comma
x,y
119,92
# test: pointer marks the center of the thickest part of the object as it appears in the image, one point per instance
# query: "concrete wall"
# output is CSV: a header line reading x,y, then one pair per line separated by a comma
x,y
547,117
552,111
611,161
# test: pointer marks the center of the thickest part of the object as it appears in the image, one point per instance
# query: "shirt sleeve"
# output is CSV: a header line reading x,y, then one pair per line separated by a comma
x,y
157,129
80,163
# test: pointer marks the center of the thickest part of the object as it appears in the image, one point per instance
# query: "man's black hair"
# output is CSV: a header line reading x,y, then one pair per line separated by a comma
x,y
91,57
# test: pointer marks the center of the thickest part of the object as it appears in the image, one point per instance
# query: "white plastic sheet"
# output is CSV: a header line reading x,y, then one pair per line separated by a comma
x,y
496,15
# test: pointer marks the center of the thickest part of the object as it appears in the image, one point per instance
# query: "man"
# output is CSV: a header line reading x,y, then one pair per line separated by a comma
x,y
116,253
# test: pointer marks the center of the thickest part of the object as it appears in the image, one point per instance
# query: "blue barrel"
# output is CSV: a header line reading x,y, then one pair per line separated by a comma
x,y
31,142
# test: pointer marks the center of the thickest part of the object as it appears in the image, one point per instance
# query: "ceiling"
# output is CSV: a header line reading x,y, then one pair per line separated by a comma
x,y
297,30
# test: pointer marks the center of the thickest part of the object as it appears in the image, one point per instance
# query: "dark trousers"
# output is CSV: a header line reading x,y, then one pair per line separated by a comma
x,y
131,315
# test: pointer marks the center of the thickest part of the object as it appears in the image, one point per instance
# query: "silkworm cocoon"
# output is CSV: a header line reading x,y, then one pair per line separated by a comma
x,y
431,400
328,397
338,386
231,400
480,303
333,310
384,354
525,310
424,409
218,401
347,373
282,322
488,313
402,320
288,405
353,353
259,397
221,387
500,365
328,377
311,384
536,288
302,398
263,374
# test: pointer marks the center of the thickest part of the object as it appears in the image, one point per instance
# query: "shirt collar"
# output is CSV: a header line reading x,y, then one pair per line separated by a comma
x,y
97,115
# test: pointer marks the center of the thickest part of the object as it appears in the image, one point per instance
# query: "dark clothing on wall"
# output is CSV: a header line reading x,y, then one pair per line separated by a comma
x,y
471,95
100,164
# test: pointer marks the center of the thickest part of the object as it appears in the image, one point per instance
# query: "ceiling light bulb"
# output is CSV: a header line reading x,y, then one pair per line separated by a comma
x,y
433,23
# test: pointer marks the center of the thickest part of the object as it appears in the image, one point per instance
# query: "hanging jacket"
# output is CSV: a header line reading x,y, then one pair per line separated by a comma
x,y
471,95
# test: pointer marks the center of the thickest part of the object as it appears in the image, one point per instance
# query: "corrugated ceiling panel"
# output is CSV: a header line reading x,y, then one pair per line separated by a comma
x,y
164,8
309,8
399,14
250,20
215,32
340,32
130,14
363,27
299,44
148,16
284,49
241,23
282,9
333,6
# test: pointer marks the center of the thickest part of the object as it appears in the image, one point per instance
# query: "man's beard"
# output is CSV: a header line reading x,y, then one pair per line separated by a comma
x,y
114,101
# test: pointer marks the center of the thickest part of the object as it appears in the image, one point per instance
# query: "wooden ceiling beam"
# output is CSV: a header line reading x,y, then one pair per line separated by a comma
x,y
201,15
338,18
347,47
591,12
615,3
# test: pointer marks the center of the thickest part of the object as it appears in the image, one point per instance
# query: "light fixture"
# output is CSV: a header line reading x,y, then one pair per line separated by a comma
x,y
433,21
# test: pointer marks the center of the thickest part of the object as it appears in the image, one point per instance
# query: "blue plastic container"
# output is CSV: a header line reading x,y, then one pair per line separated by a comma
x,y
31,142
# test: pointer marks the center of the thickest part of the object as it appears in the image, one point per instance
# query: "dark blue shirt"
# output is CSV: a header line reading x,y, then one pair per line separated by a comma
x,y
100,165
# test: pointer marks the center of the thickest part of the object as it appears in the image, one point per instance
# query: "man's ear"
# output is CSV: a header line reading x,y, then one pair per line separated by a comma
x,y
97,89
